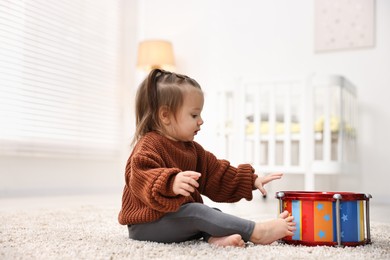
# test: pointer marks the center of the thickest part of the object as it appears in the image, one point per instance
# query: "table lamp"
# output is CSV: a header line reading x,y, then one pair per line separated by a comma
x,y
155,54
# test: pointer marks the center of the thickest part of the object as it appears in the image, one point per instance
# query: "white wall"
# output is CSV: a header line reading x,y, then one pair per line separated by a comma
x,y
218,42
40,176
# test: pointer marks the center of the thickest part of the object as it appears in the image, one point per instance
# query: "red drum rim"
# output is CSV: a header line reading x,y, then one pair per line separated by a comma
x,y
319,243
320,195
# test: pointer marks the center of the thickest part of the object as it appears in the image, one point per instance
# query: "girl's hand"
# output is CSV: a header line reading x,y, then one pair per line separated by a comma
x,y
261,181
185,183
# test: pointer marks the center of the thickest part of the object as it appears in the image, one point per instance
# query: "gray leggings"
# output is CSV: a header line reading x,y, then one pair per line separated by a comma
x,y
192,221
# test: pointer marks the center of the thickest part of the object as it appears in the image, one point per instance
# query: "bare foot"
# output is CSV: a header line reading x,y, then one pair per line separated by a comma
x,y
268,232
232,240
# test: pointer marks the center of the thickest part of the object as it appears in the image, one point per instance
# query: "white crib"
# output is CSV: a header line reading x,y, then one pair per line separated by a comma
x,y
292,126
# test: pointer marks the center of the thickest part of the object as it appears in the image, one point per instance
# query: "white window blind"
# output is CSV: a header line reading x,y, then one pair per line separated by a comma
x,y
60,77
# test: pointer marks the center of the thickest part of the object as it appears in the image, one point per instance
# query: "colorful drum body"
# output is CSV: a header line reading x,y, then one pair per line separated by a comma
x,y
327,218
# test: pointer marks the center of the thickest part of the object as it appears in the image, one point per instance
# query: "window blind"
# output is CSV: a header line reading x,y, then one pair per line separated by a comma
x,y
60,77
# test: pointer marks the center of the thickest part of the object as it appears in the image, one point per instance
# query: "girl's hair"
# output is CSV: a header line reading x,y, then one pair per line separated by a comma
x,y
160,88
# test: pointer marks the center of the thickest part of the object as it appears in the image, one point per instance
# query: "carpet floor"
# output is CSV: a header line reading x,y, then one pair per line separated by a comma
x,y
92,232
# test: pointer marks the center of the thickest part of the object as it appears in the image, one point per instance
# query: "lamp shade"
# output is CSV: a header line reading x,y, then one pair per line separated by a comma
x,y
154,54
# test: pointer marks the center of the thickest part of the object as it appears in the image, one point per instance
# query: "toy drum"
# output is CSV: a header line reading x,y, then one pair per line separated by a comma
x,y
327,218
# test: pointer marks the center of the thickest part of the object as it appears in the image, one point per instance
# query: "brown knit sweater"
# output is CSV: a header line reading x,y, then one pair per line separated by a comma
x,y
152,167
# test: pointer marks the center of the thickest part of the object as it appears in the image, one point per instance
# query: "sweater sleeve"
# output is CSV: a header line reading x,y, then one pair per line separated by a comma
x,y
152,183
222,182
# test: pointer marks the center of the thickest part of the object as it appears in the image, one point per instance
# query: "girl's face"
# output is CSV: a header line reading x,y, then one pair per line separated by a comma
x,y
188,119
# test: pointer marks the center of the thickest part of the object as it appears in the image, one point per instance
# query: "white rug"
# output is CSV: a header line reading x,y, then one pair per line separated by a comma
x,y
89,232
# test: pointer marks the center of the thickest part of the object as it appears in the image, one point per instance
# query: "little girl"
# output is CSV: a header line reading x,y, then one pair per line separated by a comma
x,y
168,171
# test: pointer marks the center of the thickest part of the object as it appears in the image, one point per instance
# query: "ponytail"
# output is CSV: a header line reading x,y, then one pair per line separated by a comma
x,y
151,89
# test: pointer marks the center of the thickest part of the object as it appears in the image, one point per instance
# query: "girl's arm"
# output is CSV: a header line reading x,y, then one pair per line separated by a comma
x,y
222,182
153,184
